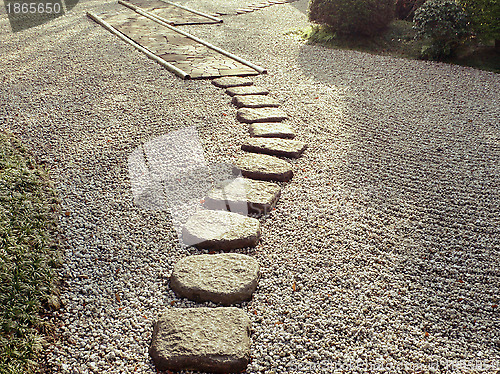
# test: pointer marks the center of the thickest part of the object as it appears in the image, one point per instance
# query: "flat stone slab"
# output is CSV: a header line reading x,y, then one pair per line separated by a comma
x,y
244,196
255,101
271,130
252,115
246,90
275,146
216,229
225,278
226,82
264,167
215,340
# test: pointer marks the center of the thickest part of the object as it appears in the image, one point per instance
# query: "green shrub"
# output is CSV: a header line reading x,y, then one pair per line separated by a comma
x,y
444,23
485,18
405,9
28,254
353,17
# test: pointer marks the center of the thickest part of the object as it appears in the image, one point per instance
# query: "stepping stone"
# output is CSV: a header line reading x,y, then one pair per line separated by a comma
x,y
252,115
271,130
226,82
244,196
201,339
264,167
216,229
275,146
225,278
246,90
254,101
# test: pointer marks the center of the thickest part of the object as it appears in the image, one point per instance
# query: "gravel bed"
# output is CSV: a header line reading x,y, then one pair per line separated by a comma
x,y
383,251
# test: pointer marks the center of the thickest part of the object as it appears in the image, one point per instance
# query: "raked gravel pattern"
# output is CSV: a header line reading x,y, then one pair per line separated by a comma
x,y
383,251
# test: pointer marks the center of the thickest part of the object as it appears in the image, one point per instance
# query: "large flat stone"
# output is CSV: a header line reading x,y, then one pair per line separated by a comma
x,y
244,196
215,229
271,130
252,115
226,82
255,101
264,167
275,146
215,340
225,278
246,90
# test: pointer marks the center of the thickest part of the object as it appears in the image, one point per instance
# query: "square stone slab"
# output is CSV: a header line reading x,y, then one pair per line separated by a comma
x,y
264,167
271,130
275,146
216,229
252,115
225,278
244,196
246,90
215,340
255,101
226,82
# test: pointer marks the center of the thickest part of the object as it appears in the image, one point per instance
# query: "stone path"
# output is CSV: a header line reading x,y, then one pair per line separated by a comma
x,y
255,101
252,7
175,14
198,339
215,339
182,53
271,130
244,196
225,278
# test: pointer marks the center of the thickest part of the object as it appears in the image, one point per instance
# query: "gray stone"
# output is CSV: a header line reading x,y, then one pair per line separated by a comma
x,y
225,278
264,167
252,115
271,130
255,101
215,340
226,82
248,90
215,229
275,146
244,196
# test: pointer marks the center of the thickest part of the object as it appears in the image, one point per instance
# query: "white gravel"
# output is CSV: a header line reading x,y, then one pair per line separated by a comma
x,y
383,252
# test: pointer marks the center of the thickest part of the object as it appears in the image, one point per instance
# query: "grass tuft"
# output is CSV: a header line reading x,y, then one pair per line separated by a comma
x,y
28,253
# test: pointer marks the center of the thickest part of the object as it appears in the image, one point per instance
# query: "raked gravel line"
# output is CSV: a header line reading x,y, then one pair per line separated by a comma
x,y
383,249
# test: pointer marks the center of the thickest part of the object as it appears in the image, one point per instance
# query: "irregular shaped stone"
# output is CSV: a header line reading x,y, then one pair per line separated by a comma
x,y
225,278
271,130
275,146
215,340
252,115
246,90
244,196
215,229
255,101
264,167
226,82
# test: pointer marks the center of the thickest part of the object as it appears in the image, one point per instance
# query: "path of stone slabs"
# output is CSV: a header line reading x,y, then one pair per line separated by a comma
x,y
218,339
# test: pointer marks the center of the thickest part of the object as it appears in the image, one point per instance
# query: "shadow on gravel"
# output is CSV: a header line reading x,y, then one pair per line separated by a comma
x,y
421,166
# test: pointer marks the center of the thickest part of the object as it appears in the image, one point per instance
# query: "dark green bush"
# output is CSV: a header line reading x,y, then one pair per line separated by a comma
x,y
485,18
444,24
353,17
405,9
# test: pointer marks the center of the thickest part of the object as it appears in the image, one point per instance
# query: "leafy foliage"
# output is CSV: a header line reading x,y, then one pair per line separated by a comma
x,y
405,9
27,256
444,23
353,17
484,16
